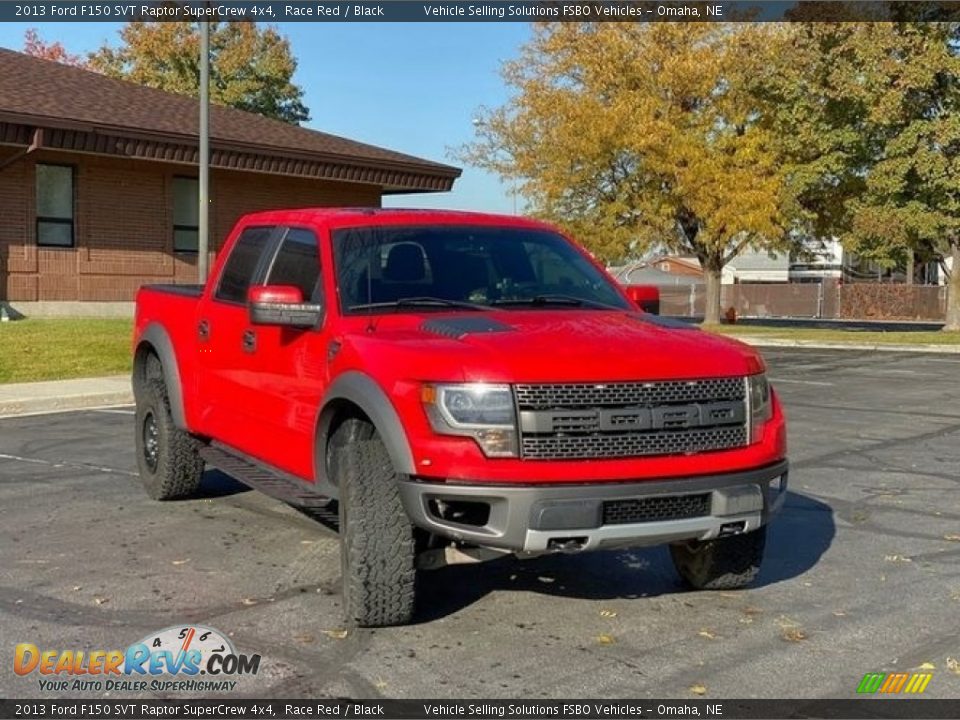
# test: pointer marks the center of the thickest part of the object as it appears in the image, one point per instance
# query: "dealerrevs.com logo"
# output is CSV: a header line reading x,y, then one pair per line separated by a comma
x,y
179,658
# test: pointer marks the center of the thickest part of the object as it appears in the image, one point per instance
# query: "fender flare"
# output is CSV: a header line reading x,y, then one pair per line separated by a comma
x,y
157,337
364,392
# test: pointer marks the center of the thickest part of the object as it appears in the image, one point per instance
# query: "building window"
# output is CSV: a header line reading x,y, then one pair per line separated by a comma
x,y
54,205
186,214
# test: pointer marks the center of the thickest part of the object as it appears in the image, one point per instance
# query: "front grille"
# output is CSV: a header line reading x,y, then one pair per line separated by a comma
x,y
656,508
571,395
621,445
594,421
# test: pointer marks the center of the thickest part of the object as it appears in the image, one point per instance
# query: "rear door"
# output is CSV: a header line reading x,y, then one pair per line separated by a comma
x,y
228,382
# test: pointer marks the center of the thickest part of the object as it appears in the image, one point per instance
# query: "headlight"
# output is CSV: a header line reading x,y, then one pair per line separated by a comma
x,y
759,404
478,410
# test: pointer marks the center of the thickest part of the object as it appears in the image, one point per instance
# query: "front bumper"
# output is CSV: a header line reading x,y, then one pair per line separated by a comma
x,y
551,518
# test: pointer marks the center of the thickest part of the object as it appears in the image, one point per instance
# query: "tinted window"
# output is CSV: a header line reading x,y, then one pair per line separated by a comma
x,y
242,263
505,267
297,263
55,205
186,214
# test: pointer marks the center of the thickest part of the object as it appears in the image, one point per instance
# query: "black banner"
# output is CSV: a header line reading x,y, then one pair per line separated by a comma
x,y
468,11
483,709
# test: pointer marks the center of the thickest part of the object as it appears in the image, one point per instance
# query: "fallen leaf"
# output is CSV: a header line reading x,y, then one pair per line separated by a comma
x,y
606,639
708,634
608,613
927,666
790,630
952,537
793,634
101,600
181,562
336,634
953,665
249,601
698,689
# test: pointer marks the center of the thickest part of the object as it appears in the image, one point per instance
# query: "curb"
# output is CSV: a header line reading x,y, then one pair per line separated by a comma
x,y
60,395
38,406
872,347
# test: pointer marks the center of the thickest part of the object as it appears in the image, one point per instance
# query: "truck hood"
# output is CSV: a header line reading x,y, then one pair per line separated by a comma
x,y
546,346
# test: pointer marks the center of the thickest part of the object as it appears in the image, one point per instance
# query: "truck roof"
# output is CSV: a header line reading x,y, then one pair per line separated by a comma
x,y
390,216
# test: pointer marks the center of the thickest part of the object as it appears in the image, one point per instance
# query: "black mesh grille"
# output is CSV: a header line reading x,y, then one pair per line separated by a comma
x,y
652,509
614,445
579,421
567,395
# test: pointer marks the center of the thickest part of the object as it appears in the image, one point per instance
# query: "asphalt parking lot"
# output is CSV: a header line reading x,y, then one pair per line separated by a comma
x,y
862,572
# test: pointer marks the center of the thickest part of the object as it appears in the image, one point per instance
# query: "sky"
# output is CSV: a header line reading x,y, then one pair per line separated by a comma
x,y
411,87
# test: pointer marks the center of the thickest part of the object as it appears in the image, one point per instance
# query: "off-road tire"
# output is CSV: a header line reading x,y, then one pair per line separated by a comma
x,y
725,563
377,540
167,457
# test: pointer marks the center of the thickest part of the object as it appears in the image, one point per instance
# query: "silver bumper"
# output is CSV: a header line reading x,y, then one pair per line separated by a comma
x,y
574,517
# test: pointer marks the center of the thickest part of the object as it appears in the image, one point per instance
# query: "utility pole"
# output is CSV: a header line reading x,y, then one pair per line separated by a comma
x,y
203,229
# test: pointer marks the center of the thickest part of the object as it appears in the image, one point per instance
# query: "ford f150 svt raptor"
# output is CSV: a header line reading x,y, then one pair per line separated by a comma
x,y
454,382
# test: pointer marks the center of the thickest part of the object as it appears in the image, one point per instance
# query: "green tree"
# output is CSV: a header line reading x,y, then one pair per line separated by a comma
x,y
252,67
636,135
868,117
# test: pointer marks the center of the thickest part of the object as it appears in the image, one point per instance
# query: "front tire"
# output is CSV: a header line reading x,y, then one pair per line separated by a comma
x,y
725,563
377,540
167,457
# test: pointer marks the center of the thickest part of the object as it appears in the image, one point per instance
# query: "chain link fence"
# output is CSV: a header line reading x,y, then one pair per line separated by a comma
x,y
828,300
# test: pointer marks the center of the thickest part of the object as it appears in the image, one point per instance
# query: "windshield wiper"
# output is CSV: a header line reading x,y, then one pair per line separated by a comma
x,y
556,299
421,302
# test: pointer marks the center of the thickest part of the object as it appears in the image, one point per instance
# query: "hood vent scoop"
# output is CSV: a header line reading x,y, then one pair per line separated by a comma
x,y
458,327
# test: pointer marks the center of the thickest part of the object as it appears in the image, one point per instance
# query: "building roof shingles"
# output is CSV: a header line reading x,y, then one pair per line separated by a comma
x,y
44,93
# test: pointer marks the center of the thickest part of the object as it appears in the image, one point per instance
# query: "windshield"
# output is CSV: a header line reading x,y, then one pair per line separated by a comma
x,y
444,267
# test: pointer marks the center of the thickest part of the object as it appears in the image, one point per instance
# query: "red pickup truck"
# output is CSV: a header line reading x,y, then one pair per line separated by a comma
x,y
448,384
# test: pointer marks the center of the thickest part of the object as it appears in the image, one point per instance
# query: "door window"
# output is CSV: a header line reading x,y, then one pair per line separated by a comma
x,y
242,264
297,263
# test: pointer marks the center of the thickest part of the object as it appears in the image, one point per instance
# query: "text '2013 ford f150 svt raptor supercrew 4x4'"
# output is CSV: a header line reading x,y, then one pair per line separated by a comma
x,y
446,384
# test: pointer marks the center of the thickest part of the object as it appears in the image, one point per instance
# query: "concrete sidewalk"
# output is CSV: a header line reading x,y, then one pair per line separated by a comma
x,y
761,341
54,395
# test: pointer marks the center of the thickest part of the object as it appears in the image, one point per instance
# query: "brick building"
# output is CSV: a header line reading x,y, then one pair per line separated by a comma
x,y
98,180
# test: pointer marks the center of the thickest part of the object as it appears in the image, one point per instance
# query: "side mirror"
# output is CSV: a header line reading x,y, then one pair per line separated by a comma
x,y
282,305
646,297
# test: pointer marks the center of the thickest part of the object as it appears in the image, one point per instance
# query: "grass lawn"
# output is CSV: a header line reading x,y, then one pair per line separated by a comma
x,y
839,335
63,348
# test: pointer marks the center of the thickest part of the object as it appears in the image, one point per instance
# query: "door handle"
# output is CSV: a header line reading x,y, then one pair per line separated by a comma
x,y
249,341
203,330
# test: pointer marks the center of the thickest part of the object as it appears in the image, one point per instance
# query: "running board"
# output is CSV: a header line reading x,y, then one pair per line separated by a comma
x,y
270,481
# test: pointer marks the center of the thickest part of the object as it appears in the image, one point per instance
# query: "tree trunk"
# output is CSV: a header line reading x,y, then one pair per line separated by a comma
x,y
711,314
953,291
